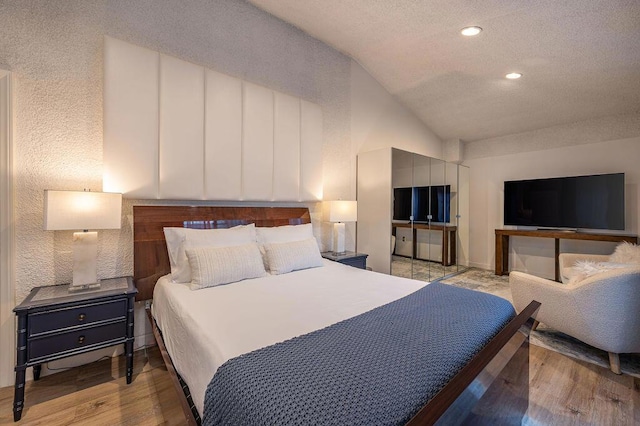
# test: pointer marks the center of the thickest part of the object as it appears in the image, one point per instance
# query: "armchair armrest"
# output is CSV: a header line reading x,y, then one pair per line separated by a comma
x,y
556,299
525,288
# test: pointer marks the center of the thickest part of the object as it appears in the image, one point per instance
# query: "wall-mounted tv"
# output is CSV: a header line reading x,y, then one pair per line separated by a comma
x,y
422,201
586,202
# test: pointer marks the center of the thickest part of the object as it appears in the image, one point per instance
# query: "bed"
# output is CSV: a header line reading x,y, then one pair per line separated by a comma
x,y
239,333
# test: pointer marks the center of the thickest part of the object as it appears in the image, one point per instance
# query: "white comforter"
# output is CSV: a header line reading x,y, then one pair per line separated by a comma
x,y
202,329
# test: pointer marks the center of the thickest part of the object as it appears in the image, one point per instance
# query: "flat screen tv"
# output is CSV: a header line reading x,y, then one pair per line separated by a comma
x,y
587,202
422,201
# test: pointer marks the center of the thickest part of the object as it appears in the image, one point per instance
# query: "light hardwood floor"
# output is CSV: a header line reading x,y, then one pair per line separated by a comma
x,y
563,392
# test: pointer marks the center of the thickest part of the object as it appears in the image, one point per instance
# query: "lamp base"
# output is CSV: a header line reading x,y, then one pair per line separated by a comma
x,y
85,253
338,238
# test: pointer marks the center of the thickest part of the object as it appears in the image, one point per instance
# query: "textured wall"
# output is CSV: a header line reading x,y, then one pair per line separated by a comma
x,y
55,49
582,132
378,120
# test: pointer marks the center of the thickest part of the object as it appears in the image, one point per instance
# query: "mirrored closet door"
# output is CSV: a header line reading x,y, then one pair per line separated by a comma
x,y
427,199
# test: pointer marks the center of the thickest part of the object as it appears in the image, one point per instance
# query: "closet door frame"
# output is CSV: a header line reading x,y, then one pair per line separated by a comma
x,y
7,283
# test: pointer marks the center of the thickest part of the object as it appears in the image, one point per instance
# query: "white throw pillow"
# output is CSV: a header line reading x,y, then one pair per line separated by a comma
x,y
179,239
626,253
284,234
212,266
293,256
281,234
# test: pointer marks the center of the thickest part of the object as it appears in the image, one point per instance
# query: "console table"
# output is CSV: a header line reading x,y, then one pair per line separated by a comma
x,y
502,243
448,238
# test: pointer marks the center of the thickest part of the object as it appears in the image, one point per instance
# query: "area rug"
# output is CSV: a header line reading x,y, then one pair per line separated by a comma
x,y
488,282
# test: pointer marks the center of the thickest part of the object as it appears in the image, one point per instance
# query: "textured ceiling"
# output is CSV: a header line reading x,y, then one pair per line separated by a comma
x,y
580,58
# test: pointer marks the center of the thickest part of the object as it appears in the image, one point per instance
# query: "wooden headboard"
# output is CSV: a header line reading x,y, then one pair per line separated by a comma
x,y
150,256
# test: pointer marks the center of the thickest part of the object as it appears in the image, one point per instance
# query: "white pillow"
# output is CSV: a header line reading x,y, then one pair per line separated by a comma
x,y
281,234
284,234
287,257
586,268
212,266
179,239
626,253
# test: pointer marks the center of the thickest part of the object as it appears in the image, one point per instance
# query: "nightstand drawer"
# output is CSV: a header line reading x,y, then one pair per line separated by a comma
x,y
44,322
357,262
73,340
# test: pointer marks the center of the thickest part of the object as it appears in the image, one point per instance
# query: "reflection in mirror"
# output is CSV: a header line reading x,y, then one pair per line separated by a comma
x,y
430,237
401,226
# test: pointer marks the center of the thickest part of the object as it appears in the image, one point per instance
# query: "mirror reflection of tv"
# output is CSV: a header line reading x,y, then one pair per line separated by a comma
x,y
434,201
422,201
402,198
585,202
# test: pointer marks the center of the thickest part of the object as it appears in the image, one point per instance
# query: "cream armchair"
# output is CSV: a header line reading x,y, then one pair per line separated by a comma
x,y
602,310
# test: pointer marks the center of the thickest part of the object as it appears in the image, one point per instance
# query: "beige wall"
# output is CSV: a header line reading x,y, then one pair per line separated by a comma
x,y
55,50
489,173
378,120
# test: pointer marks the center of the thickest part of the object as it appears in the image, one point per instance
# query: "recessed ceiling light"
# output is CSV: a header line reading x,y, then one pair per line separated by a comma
x,y
513,75
470,31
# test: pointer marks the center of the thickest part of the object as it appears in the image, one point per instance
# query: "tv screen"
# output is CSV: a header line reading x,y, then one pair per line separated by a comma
x,y
402,203
422,201
589,202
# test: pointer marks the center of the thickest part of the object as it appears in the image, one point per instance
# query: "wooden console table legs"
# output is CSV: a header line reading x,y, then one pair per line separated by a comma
x,y
502,254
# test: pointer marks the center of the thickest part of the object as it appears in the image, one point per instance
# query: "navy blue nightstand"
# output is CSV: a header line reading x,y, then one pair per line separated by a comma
x,y
54,324
357,260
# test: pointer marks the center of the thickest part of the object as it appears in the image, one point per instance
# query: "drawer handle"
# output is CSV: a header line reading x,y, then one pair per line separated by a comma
x,y
81,317
80,340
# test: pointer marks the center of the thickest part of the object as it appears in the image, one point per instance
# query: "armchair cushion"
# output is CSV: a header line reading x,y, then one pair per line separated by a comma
x,y
568,260
570,272
586,268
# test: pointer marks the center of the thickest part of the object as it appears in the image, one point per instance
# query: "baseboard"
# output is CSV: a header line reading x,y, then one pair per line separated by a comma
x,y
484,266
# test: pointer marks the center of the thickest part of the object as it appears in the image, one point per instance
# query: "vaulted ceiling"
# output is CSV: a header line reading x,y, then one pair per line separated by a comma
x,y
580,59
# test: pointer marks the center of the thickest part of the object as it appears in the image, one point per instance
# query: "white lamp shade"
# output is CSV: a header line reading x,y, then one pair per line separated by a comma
x,y
343,211
78,210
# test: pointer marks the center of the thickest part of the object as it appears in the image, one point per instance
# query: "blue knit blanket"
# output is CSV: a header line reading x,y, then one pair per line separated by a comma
x,y
378,368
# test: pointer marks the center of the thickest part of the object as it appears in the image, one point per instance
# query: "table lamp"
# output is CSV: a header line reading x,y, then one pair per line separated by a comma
x,y
81,211
339,213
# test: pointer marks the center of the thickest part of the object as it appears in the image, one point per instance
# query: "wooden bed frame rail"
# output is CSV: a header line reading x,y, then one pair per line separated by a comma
x,y
501,369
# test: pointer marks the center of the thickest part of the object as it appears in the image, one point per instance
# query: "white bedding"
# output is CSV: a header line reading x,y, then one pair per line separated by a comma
x,y
202,329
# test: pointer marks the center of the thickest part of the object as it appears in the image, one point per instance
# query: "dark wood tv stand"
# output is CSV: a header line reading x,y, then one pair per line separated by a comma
x,y
502,243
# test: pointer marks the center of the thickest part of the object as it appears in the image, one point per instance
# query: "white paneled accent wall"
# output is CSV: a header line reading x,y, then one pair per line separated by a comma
x,y
310,151
223,137
257,142
286,148
181,129
131,105
203,134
